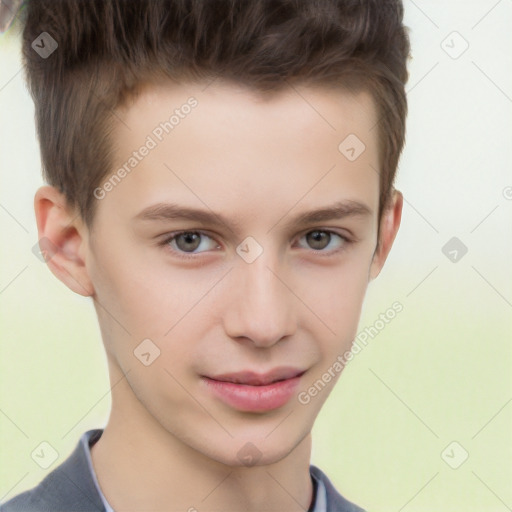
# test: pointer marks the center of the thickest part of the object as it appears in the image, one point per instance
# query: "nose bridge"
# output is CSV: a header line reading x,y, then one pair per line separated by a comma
x,y
262,306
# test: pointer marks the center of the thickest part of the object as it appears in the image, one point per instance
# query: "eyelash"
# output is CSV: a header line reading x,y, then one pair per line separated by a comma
x,y
321,252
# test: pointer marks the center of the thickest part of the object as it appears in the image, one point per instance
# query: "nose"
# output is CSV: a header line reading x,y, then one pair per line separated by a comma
x,y
261,308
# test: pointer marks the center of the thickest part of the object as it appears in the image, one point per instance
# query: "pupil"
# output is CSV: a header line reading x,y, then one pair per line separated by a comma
x,y
189,238
316,239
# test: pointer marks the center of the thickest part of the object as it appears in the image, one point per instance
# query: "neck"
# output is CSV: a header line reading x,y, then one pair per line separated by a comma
x,y
142,466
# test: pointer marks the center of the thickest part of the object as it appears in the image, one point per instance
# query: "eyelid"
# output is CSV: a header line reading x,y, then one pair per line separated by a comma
x,y
346,241
168,237
337,231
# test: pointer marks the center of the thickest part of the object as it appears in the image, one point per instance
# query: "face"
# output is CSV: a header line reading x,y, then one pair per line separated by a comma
x,y
231,259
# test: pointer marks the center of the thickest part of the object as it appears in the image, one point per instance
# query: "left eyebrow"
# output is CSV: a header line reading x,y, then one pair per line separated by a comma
x,y
337,211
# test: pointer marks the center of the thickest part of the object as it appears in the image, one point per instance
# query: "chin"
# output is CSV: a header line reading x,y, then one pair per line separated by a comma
x,y
255,451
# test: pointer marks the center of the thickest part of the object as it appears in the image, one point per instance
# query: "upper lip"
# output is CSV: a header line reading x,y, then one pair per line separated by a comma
x,y
250,378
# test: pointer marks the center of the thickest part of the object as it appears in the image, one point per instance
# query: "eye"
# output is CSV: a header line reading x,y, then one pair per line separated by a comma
x,y
188,242
320,239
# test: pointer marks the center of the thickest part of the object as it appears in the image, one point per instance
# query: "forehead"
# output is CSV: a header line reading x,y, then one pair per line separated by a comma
x,y
232,149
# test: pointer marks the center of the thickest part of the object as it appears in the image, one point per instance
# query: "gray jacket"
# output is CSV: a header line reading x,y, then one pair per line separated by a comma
x,y
70,488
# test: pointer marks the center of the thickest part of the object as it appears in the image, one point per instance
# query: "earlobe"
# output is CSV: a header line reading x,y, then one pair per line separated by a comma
x,y
61,240
390,223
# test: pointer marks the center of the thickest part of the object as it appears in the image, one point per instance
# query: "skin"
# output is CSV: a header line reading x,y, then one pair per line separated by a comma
x,y
258,160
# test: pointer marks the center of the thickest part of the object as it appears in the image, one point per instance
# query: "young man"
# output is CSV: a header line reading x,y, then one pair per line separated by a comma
x,y
221,184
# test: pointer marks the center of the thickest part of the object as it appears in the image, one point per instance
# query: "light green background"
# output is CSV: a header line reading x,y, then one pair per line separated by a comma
x,y
439,372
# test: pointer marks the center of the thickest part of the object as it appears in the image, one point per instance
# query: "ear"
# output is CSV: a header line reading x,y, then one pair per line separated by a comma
x,y
389,225
61,235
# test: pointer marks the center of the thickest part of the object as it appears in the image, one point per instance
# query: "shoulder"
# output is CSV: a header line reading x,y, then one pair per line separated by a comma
x,y
68,487
335,501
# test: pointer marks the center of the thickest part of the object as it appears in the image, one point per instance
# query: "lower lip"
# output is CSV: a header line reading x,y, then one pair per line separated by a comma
x,y
254,398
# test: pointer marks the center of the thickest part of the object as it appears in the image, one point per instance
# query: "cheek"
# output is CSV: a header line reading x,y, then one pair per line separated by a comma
x,y
147,297
166,305
336,292
335,296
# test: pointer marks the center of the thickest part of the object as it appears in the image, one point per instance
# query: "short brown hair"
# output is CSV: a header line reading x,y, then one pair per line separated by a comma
x,y
107,49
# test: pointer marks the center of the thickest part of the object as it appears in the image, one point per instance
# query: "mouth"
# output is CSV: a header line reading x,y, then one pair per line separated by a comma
x,y
249,378
255,392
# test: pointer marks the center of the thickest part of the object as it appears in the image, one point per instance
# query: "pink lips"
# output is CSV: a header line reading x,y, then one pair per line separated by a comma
x,y
253,392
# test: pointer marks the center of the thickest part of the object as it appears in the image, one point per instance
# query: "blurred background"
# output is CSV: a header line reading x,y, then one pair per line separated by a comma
x,y
421,418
